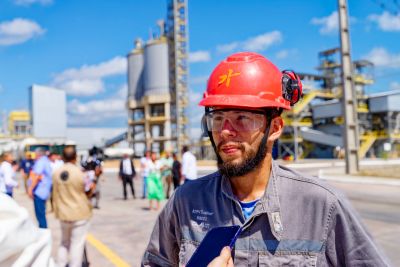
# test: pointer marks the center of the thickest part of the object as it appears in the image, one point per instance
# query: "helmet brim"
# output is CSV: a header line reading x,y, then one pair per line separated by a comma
x,y
243,101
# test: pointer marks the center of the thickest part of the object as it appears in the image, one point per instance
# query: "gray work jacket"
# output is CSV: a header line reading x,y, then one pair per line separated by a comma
x,y
300,221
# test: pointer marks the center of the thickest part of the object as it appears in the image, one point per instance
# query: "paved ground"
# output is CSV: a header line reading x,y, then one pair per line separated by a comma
x,y
122,226
120,229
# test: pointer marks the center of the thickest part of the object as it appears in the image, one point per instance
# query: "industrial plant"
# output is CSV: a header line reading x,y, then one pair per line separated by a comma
x,y
157,75
315,126
157,97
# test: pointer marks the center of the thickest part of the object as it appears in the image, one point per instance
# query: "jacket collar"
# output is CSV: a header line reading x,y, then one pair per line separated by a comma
x,y
269,202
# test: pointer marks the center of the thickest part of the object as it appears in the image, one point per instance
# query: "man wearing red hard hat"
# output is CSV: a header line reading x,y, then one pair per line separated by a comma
x,y
286,218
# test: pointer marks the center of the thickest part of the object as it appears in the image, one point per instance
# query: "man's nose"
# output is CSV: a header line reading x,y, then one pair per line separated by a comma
x,y
227,128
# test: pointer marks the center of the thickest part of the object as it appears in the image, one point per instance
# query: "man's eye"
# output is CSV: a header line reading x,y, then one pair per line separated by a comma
x,y
218,118
242,117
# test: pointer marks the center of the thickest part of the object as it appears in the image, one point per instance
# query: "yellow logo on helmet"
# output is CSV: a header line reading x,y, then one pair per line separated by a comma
x,y
227,77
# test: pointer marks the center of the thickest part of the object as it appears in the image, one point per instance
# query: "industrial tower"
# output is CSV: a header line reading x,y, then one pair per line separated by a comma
x,y
158,84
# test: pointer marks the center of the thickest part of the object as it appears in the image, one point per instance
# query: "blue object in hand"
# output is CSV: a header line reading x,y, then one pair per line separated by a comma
x,y
212,244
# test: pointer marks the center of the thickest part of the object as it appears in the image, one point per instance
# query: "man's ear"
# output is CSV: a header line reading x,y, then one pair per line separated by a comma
x,y
276,128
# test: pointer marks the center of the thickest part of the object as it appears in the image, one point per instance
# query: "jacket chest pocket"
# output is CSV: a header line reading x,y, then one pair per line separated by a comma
x,y
287,260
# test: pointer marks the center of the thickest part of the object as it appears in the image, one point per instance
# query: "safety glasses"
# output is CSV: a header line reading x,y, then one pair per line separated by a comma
x,y
240,120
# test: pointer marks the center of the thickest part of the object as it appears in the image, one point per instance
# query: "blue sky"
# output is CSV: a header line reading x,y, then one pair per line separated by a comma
x,y
80,46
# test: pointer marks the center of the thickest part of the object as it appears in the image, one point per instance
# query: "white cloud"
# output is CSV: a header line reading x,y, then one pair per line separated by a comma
x,y
394,86
195,114
195,97
286,53
258,43
18,31
263,41
87,80
386,21
282,54
82,87
382,58
227,48
330,24
30,2
199,56
114,66
123,92
90,112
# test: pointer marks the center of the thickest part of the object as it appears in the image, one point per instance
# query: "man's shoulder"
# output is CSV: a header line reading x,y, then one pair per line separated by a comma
x,y
202,184
70,168
292,180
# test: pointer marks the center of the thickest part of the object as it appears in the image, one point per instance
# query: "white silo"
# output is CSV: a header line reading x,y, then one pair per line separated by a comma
x,y
156,70
135,72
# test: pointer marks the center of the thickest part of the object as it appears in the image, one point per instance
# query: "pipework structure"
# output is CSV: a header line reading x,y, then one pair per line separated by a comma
x,y
315,125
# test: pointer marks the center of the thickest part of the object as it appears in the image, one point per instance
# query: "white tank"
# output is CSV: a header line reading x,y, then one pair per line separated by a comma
x,y
135,72
156,71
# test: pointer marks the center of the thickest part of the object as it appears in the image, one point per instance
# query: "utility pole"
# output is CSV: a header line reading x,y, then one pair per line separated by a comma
x,y
349,99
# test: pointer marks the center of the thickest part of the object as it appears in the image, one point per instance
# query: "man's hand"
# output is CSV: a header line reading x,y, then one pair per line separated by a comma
x,y
30,192
223,260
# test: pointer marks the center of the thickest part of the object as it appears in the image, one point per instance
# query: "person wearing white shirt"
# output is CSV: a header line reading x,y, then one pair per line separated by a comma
x,y
126,174
144,170
7,175
189,165
55,161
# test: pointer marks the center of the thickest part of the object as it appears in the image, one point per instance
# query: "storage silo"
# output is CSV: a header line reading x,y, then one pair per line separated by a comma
x,y
156,71
135,72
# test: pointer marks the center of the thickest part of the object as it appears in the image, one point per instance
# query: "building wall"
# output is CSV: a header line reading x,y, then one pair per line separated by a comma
x,y
49,112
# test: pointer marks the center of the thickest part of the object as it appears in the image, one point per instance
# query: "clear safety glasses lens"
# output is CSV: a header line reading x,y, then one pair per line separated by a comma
x,y
240,121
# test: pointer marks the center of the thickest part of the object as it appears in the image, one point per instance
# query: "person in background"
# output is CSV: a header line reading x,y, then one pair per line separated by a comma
x,y
22,243
7,174
154,182
72,207
55,161
176,171
189,165
166,172
40,186
93,165
144,169
126,174
26,166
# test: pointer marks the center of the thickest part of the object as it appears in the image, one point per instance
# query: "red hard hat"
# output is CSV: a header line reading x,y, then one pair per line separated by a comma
x,y
246,80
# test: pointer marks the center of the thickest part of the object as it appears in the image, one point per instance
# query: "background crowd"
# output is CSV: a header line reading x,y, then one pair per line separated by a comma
x,y
70,188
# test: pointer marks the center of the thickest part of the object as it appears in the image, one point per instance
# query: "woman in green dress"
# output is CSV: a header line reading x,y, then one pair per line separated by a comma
x,y
154,183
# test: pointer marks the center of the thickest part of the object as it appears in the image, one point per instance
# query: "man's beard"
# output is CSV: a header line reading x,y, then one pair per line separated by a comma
x,y
250,162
